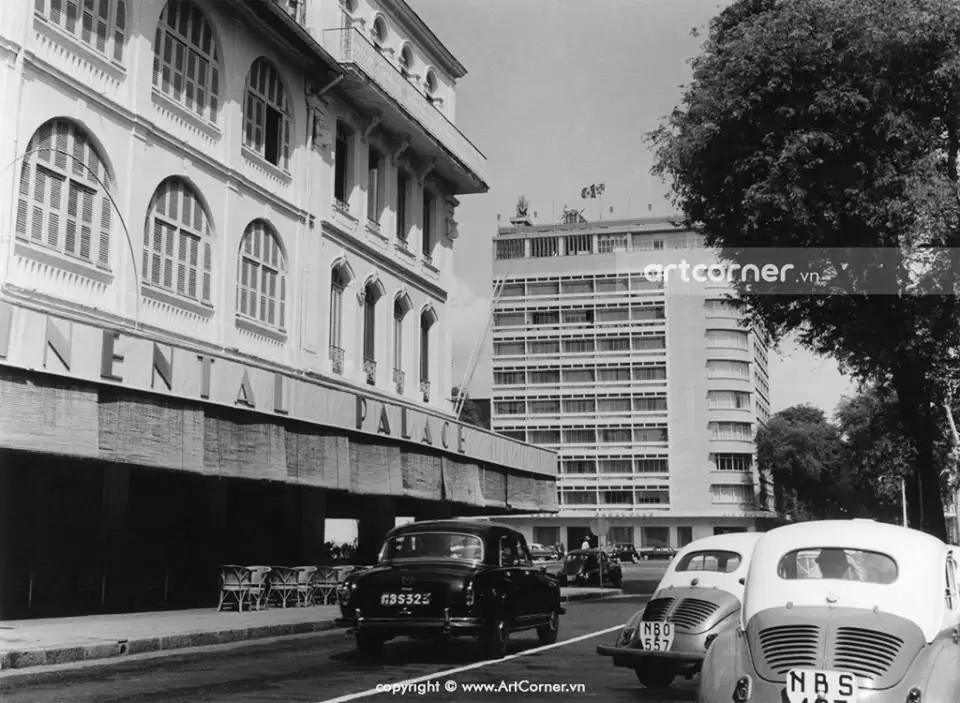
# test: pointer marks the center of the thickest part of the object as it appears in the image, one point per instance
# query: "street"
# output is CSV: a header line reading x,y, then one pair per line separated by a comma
x,y
325,669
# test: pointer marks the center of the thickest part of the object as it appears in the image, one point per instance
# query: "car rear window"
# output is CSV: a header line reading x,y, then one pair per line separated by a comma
x,y
433,545
716,560
838,564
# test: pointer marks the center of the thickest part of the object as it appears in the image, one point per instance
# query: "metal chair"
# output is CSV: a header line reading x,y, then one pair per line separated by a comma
x,y
235,585
326,581
284,584
305,584
260,585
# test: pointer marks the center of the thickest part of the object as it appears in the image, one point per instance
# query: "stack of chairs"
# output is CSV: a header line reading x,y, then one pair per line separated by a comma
x,y
259,586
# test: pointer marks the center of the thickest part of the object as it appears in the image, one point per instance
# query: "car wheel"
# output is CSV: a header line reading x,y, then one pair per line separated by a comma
x,y
548,633
369,646
655,678
495,639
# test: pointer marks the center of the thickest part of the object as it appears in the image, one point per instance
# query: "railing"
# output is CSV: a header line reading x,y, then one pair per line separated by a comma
x,y
398,378
294,8
349,46
370,371
336,357
425,390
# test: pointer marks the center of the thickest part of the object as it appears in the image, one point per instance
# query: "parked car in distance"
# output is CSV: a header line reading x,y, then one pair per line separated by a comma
x,y
626,552
697,599
657,551
538,553
585,567
451,578
842,610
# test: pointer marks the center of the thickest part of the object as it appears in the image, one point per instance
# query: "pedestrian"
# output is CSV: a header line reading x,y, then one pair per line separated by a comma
x,y
586,543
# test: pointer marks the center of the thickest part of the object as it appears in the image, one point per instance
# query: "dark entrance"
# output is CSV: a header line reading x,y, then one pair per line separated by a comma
x,y
728,530
576,535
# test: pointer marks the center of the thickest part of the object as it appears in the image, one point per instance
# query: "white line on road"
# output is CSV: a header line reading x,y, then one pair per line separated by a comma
x,y
469,667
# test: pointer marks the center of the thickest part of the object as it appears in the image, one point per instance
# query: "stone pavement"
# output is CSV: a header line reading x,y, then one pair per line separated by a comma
x,y
63,641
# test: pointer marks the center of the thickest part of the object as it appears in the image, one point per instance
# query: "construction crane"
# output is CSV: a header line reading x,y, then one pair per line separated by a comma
x,y
475,354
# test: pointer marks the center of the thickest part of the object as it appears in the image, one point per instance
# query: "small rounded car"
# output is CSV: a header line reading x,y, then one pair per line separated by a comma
x,y
840,611
449,578
697,599
585,567
657,551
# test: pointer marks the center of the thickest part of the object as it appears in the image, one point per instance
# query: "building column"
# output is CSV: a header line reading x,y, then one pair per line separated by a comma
x,y
115,538
377,518
313,518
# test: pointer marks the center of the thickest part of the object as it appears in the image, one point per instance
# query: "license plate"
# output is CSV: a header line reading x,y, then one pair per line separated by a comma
x,y
656,636
811,685
405,599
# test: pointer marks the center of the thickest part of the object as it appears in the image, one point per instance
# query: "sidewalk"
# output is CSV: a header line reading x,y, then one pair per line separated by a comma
x,y
57,641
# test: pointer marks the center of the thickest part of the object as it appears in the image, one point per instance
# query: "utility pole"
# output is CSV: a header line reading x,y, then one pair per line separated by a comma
x,y
955,477
903,499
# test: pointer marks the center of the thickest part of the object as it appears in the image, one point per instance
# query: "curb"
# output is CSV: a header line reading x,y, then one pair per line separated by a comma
x,y
116,650
573,597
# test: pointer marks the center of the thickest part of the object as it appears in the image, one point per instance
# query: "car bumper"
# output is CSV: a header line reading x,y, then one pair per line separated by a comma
x,y
400,626
630,658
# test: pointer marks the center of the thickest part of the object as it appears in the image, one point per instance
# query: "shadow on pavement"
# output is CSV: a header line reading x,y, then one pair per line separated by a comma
x,y
455,652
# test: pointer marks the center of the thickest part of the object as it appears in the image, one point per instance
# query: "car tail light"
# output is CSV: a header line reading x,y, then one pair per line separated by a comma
x,y
742,691
469,594
914,695
707,642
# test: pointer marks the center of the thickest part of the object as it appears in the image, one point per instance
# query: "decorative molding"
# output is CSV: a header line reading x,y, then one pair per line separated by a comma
x,y
374,122
430,165
402,147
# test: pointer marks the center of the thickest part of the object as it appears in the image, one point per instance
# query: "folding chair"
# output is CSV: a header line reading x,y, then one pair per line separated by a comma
x,y
305,584
284,584
235,584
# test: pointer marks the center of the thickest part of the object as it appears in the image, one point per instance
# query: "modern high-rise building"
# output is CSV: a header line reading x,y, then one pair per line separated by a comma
x,y
647,385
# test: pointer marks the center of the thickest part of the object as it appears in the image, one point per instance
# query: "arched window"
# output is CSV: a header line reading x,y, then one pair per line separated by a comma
x,y
372,292
427,319
406,60
100,24
379,32
186,66
339,280
262,289
430,85
63,202
177,254
266,114
401,306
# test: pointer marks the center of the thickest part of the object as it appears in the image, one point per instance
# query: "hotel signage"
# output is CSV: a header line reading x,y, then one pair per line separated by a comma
x,y
34,341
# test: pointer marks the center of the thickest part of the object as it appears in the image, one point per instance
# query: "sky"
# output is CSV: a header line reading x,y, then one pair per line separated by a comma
x,y
559,95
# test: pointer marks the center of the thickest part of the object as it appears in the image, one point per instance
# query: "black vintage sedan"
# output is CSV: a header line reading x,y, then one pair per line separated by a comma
x,y
448,578
586,567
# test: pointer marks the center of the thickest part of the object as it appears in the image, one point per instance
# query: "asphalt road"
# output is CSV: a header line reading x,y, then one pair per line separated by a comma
x,y
325,669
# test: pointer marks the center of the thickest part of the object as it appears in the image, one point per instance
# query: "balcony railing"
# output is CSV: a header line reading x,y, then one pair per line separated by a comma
x,y
370,371
425,390
398,377
294,8
349,46
336,357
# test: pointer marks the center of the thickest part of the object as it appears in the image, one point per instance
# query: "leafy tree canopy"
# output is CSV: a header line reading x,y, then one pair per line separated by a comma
x,y
834,124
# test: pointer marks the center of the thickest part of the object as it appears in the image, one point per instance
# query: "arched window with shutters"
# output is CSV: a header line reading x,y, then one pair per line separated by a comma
x,y
266,114
262,278
100,24
401,306
428,318
186,63
63,201
177,252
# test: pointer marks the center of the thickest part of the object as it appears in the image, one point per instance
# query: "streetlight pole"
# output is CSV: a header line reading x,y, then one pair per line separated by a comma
x,y
903,499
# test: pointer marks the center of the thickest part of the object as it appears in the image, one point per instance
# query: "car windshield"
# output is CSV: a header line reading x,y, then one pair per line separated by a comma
x,y
839,564
433,545
717,560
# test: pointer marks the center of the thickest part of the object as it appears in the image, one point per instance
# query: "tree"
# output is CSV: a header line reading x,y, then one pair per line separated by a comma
x,y
469,413
829,124
800,449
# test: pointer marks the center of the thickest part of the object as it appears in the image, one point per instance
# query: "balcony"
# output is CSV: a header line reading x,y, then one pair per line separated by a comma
x,y
370,371
336,358
398,378
405,111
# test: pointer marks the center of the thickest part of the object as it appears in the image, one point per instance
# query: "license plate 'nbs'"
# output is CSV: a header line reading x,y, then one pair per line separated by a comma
x,y
405,599
814,686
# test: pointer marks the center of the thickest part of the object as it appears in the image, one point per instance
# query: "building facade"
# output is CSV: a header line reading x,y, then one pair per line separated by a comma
x,y
229,236
648,386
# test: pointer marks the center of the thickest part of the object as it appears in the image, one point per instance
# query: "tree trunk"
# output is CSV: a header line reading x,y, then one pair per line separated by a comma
x,y
924,502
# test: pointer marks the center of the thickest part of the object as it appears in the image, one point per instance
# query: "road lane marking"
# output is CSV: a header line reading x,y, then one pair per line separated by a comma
x,y
469,667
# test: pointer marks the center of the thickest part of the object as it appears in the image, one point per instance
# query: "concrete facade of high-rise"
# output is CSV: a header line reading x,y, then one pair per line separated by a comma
x,y
647,385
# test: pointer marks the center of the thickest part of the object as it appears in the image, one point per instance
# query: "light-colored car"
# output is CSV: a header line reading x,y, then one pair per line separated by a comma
x,y
697,599
842,611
